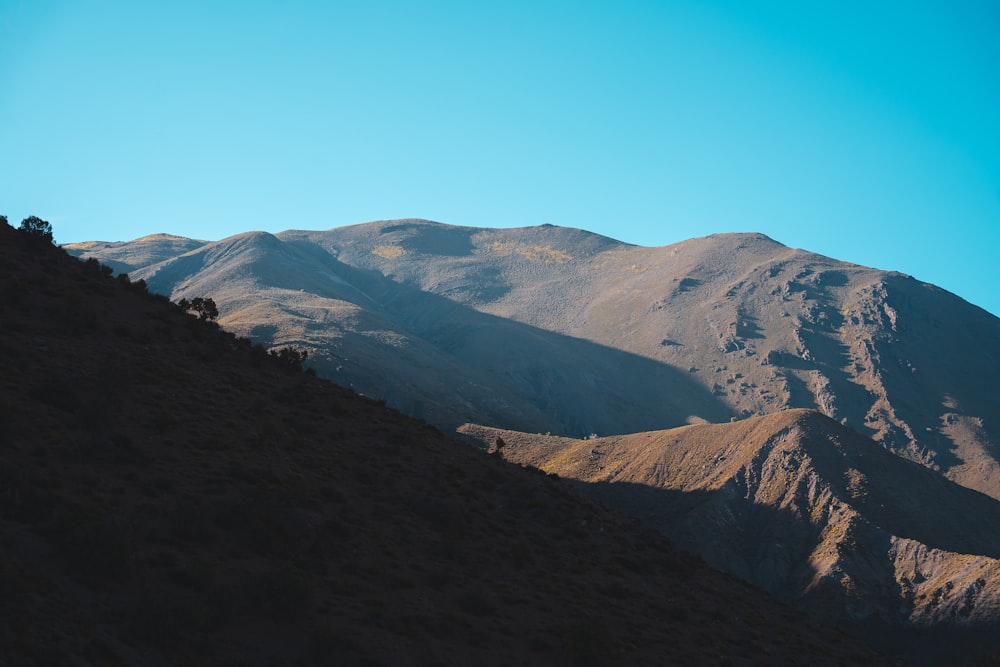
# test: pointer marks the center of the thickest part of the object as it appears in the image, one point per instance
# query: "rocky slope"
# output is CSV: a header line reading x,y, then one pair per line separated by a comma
x,y
170,494
800,506
549,329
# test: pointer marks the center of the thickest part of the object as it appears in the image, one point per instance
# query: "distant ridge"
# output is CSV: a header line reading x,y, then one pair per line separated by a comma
x,y
800,506
553,329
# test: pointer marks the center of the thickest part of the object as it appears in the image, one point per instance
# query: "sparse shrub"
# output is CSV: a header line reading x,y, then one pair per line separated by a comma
x,y
290,356
257,355
497,448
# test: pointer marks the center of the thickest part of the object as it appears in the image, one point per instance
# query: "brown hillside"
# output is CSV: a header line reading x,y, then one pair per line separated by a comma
x,y
170,495
549,329
802,507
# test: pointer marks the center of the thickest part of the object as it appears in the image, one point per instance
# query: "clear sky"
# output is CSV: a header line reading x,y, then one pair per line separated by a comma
x,y
866,131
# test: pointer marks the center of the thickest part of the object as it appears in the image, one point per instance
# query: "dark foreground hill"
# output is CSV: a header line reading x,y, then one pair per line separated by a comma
x,y
171,495
549,329
804,508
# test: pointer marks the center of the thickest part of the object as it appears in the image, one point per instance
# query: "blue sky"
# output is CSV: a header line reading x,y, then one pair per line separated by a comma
x,y
866,131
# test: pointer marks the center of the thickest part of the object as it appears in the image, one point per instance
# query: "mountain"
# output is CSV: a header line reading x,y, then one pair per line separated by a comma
x,y
801,506
550,329
172,494
123,256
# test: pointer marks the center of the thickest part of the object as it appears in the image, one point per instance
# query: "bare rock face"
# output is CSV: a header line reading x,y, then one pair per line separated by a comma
x,y
549,329
800,506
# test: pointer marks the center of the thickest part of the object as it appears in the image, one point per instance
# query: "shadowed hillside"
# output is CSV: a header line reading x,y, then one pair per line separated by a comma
x,y
170,494
447,322
426,354
800,506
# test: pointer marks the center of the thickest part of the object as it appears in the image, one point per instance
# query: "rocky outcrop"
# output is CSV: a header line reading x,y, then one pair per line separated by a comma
x,y
800,506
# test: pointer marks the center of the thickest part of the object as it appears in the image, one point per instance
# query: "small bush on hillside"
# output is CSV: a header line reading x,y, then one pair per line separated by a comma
x,y
203,307
497,448
290,356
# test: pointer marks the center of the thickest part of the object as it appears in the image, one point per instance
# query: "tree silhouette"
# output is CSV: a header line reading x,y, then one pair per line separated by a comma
x,y
36,229
205,308
289,355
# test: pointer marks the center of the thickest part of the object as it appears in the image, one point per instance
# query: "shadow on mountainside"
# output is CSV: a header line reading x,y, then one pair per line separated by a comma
x,y
170,494
450,364
433,240
769,547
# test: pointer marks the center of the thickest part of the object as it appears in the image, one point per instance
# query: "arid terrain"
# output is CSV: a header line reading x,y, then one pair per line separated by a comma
x,y
556,330
821,430
172,494
800,506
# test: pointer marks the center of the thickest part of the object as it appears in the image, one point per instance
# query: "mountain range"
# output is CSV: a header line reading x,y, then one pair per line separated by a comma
x,y
170,493
822,430
800,506
557,330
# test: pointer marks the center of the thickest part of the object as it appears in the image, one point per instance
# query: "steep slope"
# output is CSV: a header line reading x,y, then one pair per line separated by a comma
x,y
171,495
425,354
800,506
730,324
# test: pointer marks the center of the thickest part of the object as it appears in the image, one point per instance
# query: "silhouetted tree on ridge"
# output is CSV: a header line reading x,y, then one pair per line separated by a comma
x,y
205,308
36,227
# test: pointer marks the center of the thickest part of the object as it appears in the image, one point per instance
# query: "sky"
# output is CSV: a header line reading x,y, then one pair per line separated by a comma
x,y
865,131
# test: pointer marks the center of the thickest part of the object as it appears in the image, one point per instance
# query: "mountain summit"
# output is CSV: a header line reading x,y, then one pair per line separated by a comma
x,y
551,329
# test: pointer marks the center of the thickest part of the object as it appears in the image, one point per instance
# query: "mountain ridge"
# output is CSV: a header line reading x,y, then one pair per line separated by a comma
x,y
738,323
800,506
172,494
